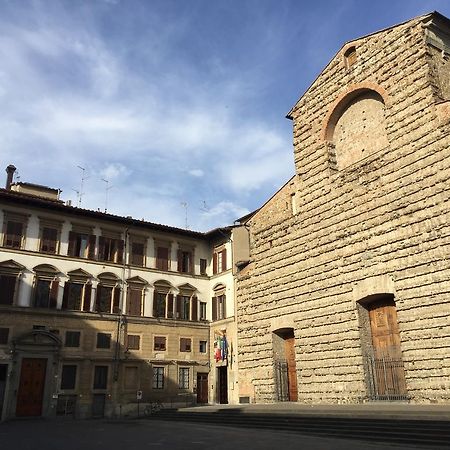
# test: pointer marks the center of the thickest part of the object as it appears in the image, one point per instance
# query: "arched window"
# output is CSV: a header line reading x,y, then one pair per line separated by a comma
x,y
162,299
219,310
135,296
187,303
356,127
9,279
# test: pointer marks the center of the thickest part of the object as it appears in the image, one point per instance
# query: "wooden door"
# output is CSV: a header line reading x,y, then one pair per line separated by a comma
x,y
31,387
384,327
222,377
202,388
389,372
289,348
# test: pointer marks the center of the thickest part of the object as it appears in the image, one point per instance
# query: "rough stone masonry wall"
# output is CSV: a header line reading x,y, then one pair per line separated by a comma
x,y
382,222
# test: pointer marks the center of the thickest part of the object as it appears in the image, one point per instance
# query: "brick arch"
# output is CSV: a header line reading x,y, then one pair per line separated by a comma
x,y
344,98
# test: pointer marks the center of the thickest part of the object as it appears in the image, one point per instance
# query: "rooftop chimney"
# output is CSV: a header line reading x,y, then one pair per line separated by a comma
x,y
9,178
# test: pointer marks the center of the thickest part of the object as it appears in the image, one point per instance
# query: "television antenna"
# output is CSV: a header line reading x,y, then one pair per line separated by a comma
x,y
108,187
80,193
185,206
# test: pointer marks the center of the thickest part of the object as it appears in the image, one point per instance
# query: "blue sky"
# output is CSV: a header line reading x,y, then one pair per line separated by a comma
x,y
172,101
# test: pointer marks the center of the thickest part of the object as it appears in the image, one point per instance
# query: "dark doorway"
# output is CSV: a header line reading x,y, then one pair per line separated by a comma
x,y
3,375
222,385
202,388
31,387
285,365
98,405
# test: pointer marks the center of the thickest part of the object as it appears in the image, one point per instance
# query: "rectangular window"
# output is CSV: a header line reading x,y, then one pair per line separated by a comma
x,y
202,310
81,245
131,378
104,299
4,334
68,376
46,293
133,342
7,289
49,240
137,253
158,377
203,264
72,339
162,258
185,261
202,347
110,249
100,377
219,307
219,260
103,340
183,378
159,343
160,304
73,296
13,234
185,344
183,307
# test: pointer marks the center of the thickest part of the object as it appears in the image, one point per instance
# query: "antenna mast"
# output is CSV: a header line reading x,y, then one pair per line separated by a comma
x,y
80,193
185,206
108,187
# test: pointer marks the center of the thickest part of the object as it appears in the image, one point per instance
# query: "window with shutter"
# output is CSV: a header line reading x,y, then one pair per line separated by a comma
x,y
103,340
203,265
49,240
137,253
219,260
100,377
185,344
103,301
7,289
13,234
185,261
72,339
4,334
133,342
134,302
159,343
46,293
159,304
162,258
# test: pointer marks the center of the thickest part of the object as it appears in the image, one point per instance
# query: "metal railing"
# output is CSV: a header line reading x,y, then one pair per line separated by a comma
x,y
385,377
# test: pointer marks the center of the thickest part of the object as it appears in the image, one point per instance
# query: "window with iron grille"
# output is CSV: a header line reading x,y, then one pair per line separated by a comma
x,y
185,344
158,378
68,376
4,334
72,339
159,343
202,311
100,377
103,340
183,378
133,342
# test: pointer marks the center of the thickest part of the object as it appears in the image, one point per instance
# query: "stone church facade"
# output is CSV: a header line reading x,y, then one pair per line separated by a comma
x,y
346,297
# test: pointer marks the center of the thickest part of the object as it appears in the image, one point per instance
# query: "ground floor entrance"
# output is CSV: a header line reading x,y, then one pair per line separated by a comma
x,y
31,387
202,388
222,385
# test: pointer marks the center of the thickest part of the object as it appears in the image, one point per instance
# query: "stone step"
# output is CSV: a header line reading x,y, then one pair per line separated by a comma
x,y
413,432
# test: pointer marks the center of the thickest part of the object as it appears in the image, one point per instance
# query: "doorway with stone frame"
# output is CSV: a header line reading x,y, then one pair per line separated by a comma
x,y
381,347
285,369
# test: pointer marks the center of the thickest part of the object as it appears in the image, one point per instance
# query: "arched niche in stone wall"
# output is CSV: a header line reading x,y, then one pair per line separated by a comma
x,y
356,127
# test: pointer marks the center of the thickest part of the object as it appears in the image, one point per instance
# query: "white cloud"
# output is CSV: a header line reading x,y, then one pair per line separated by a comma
x,y
198,173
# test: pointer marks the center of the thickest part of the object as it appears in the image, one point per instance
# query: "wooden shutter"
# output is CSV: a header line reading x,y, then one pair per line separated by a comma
x,y
53,294
180,261
170,306
215,263
101,248
91,249
120,247
134,302
155,304
7,289
194,308
178,309
116,300
224,260
214,308
72,242
87,297
98,297
66,295
224,306
162,258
